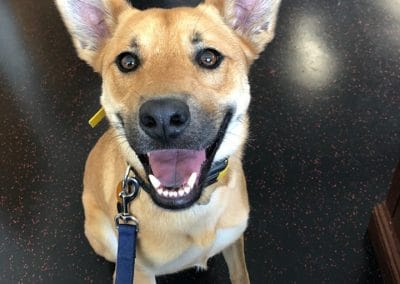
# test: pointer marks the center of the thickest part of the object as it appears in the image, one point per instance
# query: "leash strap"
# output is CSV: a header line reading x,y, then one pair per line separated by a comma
x,y
127,226
127,234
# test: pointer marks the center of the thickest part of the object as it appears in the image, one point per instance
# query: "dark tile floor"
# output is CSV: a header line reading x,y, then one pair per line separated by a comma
x,y
325,122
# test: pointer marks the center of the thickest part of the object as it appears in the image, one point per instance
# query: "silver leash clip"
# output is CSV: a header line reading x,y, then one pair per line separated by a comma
x,y
130,190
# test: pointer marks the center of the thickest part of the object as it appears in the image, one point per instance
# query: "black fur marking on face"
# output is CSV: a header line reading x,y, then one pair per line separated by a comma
x,y
196,39
134,44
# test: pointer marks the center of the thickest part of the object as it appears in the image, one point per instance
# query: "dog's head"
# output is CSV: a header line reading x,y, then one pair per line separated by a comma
x,y
175,85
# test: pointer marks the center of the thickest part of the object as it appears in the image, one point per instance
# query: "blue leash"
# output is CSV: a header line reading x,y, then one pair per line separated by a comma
x,y
127,231
126,253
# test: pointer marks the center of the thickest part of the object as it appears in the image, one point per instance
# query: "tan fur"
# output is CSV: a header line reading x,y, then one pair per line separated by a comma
x,y
170,241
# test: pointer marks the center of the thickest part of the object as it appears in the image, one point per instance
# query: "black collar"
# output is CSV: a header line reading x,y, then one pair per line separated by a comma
x,y
217,171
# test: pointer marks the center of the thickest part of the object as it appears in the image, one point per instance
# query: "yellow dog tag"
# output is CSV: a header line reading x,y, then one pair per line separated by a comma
x,y
223,172
119,190
95,119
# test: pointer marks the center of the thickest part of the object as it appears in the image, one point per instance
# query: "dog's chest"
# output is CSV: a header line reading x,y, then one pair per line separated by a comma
x,y
201,249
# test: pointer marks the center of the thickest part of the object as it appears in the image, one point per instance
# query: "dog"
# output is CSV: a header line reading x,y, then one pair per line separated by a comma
x,y
175,91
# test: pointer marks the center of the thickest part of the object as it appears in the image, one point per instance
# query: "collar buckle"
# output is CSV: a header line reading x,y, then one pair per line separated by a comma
x,y
129,191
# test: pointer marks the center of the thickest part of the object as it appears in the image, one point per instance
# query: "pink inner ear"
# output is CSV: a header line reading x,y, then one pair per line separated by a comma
x,y
251,15
91,19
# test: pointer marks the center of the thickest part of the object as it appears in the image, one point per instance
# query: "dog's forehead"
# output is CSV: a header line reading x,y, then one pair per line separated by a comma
x,y
167,43
177,26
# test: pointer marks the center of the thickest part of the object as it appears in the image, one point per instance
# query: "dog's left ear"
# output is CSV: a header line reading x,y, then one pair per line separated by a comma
x,y
253,20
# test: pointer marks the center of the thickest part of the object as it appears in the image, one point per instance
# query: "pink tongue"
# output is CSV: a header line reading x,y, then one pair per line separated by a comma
x,y
174,167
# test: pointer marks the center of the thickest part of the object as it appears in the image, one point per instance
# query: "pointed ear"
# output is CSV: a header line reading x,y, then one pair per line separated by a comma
x,y
90,23
253,20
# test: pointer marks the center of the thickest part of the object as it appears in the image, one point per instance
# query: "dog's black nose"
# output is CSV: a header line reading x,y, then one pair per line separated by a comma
x,y
164,119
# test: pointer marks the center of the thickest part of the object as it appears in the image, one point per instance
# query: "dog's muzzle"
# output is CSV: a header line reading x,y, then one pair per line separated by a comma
x,y
176,142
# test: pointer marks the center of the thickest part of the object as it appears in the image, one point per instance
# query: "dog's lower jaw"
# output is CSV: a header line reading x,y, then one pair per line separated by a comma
x,y
198,192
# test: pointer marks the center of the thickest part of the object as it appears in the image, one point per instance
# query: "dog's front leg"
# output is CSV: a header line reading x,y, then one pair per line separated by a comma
x,y
235,259
141,278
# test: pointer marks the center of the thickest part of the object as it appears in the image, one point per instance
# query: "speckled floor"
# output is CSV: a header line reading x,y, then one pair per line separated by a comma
x,y
325,120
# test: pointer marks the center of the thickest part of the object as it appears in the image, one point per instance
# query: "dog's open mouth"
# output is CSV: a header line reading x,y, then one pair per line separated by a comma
x,y
178,176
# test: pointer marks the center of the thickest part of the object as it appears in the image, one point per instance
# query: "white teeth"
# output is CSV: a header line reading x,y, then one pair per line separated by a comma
x,y
192,180
168,193
186,189
174,193
154,181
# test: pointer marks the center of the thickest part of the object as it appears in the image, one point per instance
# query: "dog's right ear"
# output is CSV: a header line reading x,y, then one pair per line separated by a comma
x,y
90,23
253,21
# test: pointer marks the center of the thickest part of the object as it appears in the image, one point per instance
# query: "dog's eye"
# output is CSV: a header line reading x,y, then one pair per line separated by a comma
x,y
209,58
127,62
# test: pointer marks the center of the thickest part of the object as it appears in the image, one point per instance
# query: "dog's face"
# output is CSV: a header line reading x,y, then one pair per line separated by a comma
x,y
175,82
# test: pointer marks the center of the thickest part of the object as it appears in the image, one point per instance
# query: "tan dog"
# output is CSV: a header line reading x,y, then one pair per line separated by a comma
x,y
176,93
